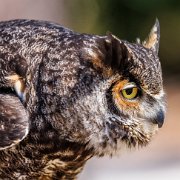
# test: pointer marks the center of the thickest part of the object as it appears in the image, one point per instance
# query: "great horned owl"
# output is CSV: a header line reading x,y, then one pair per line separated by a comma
x,y
66,97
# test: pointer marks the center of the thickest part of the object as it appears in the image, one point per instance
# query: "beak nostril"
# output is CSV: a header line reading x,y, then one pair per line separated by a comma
x,y
159,118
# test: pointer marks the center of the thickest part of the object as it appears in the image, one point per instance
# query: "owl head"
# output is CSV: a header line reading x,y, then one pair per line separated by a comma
x,y
127,105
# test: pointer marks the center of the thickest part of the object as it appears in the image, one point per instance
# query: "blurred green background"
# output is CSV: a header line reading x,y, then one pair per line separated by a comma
x,y
127,19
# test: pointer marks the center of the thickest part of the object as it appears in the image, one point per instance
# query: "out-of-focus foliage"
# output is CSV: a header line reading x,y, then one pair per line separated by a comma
x,y
129,19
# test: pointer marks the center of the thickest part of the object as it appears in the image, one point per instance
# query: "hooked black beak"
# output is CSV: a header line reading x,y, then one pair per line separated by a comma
x,y
159,119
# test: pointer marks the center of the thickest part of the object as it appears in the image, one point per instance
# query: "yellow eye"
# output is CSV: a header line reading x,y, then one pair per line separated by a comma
x,y
130,93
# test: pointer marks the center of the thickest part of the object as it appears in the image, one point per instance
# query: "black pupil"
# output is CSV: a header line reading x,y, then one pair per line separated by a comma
x,y
129,91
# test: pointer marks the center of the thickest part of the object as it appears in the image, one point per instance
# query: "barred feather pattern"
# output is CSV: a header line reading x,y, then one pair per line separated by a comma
x,y
61,83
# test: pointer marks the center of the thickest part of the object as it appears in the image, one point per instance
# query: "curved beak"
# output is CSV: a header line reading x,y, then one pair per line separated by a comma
x,y
159,119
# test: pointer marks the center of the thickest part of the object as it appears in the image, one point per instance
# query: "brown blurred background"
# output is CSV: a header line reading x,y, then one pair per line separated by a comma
x,y
127,19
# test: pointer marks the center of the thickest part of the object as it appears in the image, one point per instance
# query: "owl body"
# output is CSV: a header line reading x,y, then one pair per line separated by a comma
x,y
76,92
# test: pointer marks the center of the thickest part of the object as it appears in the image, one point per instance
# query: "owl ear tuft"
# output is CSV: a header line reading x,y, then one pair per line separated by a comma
x,y
152,41
117,52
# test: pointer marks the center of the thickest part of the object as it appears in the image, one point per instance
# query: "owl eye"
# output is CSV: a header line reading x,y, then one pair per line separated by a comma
x,y
130,91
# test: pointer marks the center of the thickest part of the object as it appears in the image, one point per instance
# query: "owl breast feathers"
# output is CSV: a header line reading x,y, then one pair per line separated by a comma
x,y
65,97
